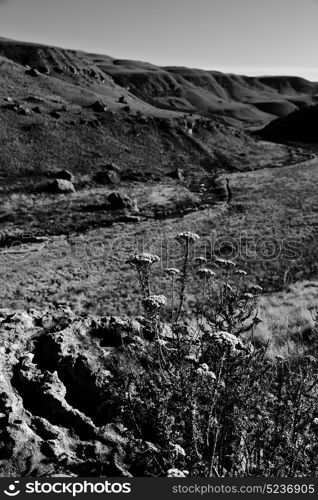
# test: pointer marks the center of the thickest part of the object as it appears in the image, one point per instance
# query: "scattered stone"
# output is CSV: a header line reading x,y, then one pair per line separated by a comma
x,y
24,111
37,109
178,174
35,98
112,166
99,106
117,331
55,114
107,177
134,208
122,100
58,69
221,187
32,72
120,201
64,174
45,70
62,186
130,219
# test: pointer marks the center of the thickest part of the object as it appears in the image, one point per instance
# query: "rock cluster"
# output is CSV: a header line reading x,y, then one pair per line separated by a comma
x,y
55,375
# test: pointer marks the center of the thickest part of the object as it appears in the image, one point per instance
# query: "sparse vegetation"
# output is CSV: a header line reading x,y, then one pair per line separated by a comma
x,y
217,377
205,398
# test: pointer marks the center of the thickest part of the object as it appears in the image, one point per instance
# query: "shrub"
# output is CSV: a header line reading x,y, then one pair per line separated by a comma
x,y
204,398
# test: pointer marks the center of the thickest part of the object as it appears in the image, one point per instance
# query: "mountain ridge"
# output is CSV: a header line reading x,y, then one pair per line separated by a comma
x,y
237,99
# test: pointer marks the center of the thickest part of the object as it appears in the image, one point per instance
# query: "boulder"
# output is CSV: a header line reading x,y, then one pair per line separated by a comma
x,y
107,177
99,106
178,174
24,111
62,186
64,174
112,166
120,201
130,219
37,109
122,100
32,72
45,70
55,114
54,395
220,188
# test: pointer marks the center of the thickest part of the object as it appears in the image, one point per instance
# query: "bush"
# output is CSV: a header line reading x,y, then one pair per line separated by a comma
x,y
204,398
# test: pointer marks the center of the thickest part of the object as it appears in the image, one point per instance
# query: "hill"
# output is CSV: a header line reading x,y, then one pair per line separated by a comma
x,y
236,98
109,124
299,126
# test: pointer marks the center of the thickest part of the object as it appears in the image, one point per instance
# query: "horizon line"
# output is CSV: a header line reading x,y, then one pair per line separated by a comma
x,y
309,73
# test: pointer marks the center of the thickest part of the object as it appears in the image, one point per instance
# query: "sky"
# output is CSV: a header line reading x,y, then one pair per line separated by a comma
x,y
250,37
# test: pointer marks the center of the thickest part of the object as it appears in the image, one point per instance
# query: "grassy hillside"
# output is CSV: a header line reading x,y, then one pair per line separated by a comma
x,y
299,126
165,133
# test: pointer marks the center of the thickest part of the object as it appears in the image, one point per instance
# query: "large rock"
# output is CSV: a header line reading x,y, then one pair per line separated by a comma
x,y
62,186
107,177
99,106
177,174
56,371
120,201
64,174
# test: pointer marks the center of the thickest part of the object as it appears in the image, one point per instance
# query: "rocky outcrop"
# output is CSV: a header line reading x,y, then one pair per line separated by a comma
x,y
120,201
62,186
56,373
64,174
107,177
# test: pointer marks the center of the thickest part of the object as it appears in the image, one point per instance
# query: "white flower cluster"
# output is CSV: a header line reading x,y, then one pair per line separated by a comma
x,y
227,264
144,259
177,473
205,273
187,237
154,303
240,272
191,358
172,271
178,450
225,340
204,371
161,342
